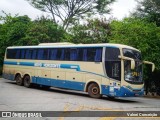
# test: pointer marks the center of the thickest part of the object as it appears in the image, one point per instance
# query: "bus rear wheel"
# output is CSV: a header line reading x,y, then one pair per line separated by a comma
x,y
94,91
27,81
19,80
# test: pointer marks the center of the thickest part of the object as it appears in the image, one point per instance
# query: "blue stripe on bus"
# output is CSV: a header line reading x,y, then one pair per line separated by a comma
x,y
8,76
26,63
70,66
59,83
10,63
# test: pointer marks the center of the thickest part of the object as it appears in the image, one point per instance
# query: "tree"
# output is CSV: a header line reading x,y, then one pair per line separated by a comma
x,y
148,9
69,10
43,30
94,31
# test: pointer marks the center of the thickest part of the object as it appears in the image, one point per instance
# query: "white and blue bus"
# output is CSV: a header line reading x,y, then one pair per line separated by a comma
x,y
107,69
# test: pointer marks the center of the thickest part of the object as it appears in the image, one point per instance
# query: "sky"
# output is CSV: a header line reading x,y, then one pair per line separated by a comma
x,y
120,9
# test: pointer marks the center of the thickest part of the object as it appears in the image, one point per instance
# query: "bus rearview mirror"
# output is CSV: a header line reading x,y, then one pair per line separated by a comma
x,y
130,59
150,63
132,64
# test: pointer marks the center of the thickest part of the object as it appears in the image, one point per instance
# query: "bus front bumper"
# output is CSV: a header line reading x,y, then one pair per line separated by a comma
x,y
122,91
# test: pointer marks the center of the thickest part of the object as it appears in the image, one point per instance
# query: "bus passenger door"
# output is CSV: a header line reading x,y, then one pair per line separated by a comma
x,y
113,69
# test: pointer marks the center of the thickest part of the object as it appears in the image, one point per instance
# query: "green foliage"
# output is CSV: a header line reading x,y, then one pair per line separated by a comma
x,y
44,30
94,31
149,10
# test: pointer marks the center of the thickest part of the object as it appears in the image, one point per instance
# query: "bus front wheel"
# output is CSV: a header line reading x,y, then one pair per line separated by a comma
x,y
94,91
19,80
27,81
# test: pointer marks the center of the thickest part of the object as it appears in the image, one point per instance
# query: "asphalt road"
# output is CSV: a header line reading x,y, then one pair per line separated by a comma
x,y
19,98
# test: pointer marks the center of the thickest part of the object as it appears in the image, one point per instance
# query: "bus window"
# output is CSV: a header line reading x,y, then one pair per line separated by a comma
x,y
113,63
22,56
40,54
79,54
67,54
73,54
34,54
84,54
62,54
28,54
17,54
43,54
58,54
53,54
92,54
98,55
11,53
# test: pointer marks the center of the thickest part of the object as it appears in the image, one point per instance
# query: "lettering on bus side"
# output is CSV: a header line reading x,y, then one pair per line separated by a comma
x,y
51,65
38,64
48,65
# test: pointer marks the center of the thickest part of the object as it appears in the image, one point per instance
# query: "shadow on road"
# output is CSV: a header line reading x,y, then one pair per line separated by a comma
x,y
121,100
79,93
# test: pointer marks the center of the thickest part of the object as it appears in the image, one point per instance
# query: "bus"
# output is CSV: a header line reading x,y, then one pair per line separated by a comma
x,y
113,70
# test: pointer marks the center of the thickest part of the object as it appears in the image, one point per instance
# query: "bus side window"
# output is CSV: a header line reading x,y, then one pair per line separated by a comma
x,y
62,54
85,55
92,54
28,54
67,54
34,54
40,54
11,53
98,55
58,55
80,54
22,55
53,54
17,54
45,54
73,54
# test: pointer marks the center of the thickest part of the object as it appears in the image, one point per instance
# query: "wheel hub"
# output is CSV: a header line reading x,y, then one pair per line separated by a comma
x,y
95,90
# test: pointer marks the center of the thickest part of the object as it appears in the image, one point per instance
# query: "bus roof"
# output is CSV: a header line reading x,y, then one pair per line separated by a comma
x,y
72,45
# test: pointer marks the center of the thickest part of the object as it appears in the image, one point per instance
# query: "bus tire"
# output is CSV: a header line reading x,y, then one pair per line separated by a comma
x,y
27,81
94,91
19,80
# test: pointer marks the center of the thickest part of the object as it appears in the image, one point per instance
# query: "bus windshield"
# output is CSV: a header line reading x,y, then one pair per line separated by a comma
x,y
133,76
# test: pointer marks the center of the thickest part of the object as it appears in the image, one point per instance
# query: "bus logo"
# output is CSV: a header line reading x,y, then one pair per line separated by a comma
x,y
6,114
